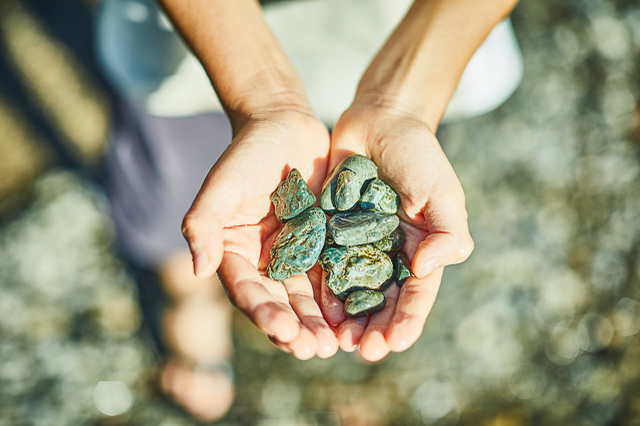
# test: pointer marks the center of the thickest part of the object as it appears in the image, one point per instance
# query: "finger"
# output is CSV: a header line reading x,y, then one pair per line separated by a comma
x,y
350,332
449,240
247,292
305,306
315,277
205,241
440,249
414,304
303,347
213,208
332,307
373,345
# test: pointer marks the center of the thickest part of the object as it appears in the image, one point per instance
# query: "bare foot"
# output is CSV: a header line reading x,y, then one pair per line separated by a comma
x,y
197,332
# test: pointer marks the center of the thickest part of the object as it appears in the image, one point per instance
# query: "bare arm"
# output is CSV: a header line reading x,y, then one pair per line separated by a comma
x,y
230,226
418,68
399,103
245,64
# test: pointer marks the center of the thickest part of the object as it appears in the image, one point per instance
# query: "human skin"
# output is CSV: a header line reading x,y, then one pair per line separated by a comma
x,y
392,120
230,227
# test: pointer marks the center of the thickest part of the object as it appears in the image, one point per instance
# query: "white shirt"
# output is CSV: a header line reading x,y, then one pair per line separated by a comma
x,y
329,42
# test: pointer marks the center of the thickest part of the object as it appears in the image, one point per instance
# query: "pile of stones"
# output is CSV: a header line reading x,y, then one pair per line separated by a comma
x,y
359,246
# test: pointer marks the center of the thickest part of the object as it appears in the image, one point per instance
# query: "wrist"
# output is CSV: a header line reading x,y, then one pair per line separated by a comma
x,y
392,105
265,98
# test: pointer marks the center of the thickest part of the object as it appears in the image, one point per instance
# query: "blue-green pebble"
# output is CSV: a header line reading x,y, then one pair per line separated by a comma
x,y
401,269
292,197
355,228
298,245
364,302
379,196
364,170
392,242
349,269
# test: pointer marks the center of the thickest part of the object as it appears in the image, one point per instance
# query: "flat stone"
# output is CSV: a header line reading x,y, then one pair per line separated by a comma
x,y
297,247
364,302
292,196
364,169
401,269
392,242
347,190
355,228
379,196
349,269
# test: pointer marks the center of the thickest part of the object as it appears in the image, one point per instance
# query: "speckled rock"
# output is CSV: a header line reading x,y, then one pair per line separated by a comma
x,y
355,228
392,242
298,245
292,197
401,269
347,190
379,196
364,302
356,268
363,169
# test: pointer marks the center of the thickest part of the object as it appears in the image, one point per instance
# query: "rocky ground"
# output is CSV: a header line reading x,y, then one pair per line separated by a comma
x,y
539,326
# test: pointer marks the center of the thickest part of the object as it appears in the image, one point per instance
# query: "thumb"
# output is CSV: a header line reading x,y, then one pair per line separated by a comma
x,y
449,241
203,225
441,249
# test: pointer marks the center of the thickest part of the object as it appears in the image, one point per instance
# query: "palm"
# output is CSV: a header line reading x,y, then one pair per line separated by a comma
x,y
236,195
409,159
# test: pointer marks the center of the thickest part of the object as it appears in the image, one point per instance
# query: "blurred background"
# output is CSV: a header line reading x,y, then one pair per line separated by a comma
x,y
539,326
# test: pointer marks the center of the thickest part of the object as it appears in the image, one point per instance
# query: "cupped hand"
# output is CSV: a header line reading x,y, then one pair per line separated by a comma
x,y
433,216
231,226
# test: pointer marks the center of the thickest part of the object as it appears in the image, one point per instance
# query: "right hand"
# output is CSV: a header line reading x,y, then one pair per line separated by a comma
x,y
231,226
432,215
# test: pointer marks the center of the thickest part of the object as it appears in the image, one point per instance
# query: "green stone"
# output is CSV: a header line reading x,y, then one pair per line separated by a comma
x,y
349,269
292,197
347,190
392,242
379,196
364,170
401,269
297,247
355,228
364,302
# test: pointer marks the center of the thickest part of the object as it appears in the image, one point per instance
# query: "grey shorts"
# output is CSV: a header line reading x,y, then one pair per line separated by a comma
x,y
154,168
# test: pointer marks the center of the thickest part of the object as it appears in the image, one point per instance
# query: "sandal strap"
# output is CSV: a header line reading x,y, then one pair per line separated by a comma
x,y
224,367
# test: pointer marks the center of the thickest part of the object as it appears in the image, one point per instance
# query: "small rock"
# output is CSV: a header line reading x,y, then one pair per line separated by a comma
x,y
347,190
292,197
355,228
298,245
355,268
401,269
364,170
392,242
364,302
378,196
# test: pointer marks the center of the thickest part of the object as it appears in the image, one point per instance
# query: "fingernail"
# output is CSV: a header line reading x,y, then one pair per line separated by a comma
x,y
201,263
428,267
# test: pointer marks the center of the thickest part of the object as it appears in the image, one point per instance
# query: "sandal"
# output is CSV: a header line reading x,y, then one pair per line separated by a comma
x,y
205,389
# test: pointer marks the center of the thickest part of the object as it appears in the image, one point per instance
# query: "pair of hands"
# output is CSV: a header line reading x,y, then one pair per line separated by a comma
x,y
231,226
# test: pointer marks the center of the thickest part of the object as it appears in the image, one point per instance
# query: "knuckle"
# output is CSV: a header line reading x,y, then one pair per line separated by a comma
x,y
189,225
465,247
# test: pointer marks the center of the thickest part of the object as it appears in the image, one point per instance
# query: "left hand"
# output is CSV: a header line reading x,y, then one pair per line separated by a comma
x,y
231,226
433,216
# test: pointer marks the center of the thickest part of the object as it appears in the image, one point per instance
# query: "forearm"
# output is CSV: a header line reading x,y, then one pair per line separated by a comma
x,y
245,64
418,68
